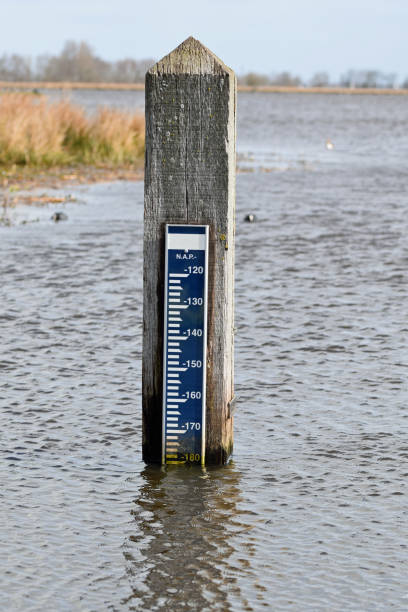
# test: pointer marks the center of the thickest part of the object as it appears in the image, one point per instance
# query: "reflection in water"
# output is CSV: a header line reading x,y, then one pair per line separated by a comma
x,y
180,552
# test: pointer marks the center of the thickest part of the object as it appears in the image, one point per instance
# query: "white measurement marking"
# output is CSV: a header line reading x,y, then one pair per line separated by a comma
x,y
178,431
174,275
176,401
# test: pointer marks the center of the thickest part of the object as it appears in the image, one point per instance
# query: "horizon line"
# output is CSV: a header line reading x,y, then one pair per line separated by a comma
x,y
69,85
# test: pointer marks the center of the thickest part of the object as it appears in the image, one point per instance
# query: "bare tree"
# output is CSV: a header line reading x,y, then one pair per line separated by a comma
x,y
286,79
254,79
15,68
388,80
368,79
320,79
130,70
76,62
349,79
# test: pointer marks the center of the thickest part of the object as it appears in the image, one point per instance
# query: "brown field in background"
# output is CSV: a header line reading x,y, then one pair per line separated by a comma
x,y
324,90
7,85
37,133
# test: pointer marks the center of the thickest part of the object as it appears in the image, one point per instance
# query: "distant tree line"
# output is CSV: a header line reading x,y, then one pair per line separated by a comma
x,y
78,62
352,78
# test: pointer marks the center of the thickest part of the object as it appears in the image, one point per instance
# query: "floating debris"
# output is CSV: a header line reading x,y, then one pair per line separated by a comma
x,y
59,216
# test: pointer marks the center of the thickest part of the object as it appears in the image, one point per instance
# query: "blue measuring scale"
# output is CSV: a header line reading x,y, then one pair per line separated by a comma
x,y
185,344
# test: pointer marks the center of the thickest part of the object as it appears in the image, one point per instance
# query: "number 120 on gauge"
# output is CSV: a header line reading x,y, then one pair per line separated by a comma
x,y
185,343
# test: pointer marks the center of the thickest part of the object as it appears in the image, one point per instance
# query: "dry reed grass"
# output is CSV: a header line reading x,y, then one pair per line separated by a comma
x,y
36,132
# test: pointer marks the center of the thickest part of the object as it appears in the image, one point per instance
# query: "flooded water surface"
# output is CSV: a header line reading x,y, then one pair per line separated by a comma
x,y
311,514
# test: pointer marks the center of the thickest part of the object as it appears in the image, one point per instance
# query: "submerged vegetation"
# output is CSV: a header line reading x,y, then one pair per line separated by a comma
x,y
35,132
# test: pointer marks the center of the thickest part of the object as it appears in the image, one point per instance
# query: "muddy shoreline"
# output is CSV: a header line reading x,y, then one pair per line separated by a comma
x,y
16,184
42,188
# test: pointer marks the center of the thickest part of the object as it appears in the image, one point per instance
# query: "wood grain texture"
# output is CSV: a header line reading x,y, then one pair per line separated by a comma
x,y
190,178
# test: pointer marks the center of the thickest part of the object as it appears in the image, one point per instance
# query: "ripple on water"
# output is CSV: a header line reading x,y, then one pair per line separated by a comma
x,y
311,513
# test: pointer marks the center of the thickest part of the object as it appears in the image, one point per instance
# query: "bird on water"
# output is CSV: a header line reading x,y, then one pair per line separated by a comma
x,y
329,145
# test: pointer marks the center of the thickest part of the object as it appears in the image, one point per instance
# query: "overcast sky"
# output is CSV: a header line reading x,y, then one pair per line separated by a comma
x,y
302,36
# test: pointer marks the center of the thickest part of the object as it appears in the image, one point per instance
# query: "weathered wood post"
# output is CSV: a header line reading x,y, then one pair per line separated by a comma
x,y
190,180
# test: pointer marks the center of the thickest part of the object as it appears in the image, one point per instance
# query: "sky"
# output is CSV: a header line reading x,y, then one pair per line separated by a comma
x,y
267,36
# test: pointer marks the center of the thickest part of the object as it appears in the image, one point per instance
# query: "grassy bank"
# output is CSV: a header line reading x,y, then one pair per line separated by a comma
x,y
36,133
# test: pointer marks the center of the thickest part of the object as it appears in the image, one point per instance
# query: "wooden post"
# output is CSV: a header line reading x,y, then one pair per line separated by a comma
x,y
190,179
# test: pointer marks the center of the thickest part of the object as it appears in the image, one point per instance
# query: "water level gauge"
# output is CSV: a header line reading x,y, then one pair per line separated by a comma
x,y
185,343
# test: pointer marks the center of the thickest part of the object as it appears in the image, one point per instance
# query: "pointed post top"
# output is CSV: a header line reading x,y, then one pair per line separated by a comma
x,y
191,57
